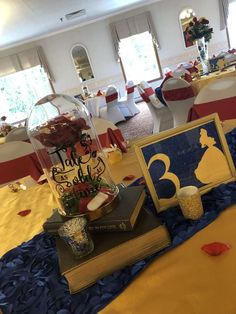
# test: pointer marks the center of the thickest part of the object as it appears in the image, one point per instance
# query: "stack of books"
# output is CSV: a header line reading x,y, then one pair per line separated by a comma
x,y
127,234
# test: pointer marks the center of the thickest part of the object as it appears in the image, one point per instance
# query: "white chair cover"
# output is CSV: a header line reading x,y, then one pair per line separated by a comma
x,y
162,117
108,133
14,149
101,125
130,98
12,169
123,106
179,97
218,96
17,134
151,94
112,111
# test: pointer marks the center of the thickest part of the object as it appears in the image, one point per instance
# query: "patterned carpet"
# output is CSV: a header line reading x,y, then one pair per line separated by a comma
x,y
138,126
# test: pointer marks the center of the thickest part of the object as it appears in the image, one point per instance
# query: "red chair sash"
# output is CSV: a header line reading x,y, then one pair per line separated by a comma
x,y
178,94
130,90
111,97
149,91
20,167
145,97
226,109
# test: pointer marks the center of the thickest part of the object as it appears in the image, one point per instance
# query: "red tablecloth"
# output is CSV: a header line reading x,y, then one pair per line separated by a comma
x,y
20,167
226,108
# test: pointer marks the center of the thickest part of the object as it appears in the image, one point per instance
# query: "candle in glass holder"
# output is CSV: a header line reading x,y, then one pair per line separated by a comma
x,y
190,202
74,232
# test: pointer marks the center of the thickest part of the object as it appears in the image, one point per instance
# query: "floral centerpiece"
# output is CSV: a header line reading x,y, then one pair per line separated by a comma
x,y
200,28
200,32
62,131
68,152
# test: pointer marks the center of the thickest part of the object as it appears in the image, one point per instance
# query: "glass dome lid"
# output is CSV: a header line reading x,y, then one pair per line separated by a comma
x,y
65,141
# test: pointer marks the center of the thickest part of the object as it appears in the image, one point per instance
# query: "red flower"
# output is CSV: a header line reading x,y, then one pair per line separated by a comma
x,y
81,186
62,131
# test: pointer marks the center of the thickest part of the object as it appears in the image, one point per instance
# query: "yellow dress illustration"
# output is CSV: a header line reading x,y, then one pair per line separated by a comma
x,y
213,166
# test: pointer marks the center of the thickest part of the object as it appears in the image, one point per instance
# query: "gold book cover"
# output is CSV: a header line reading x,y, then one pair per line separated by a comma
x,y
112,251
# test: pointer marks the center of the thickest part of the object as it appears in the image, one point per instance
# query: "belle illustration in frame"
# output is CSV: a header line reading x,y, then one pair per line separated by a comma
x,y
193,154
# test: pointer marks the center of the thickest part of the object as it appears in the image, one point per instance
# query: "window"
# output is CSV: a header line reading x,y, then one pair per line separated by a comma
x,y
21,90
133,40
232,24
139,58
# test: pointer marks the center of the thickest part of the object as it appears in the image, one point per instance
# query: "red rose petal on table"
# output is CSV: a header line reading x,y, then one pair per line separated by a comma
x,y
24,212
129,177
215,248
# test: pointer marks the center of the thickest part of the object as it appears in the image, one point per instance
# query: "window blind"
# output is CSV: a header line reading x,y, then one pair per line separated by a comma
x,y
24,60
131,26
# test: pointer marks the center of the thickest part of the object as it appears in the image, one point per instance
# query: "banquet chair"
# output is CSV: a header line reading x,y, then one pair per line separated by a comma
x,y
18,160
149,91
218,96
17,134
108,134
130,98
105,137
122,103
112,111
162,117
179,97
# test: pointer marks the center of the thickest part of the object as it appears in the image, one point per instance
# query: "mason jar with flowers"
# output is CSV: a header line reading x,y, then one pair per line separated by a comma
x,y
200,32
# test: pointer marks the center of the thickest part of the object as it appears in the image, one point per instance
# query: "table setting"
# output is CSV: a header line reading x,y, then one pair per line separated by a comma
x,y
30,277
49,291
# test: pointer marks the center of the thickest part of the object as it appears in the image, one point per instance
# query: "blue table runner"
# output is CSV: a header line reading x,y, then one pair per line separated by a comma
x,y
30,280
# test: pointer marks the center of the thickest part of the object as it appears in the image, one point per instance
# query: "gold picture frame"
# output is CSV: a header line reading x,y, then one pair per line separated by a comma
x,y
195,153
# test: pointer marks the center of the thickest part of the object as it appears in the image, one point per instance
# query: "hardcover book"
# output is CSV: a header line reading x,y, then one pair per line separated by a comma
x,y
112,252
122,218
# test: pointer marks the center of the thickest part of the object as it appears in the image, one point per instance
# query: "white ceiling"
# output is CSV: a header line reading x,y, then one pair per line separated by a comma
x,y
25,20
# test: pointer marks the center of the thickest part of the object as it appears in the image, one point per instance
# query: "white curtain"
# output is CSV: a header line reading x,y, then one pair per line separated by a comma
x,y
24,60
131,26
224,12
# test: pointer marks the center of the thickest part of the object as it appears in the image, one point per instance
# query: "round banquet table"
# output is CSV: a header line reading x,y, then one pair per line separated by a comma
x,y
17,168
198,83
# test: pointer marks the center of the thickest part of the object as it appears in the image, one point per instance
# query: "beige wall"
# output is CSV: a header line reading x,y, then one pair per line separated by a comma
x,y
96,38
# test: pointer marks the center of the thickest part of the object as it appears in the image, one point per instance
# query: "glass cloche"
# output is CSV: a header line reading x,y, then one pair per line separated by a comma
x,y
66,143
